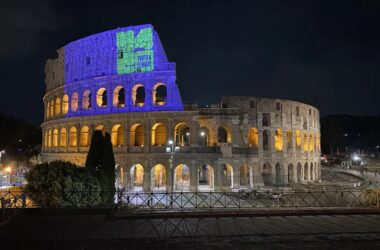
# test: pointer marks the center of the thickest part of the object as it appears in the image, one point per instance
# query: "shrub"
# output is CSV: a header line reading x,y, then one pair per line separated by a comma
x,y
61,183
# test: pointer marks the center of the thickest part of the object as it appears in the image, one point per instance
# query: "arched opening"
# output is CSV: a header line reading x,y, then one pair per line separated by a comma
x,y
65,104
182,178
86,100
57,106
62,137
46,139
298,139
74,102
290,174
311,143
266,142
49,138
119,97
73,137
101,127
305,143
84,136
159,94
138,95
158,174
203,139
55,138
47,110
299,173
119,176
253,137
228,173
137,135
182,134
278,141
311,171
245,176
278,174
158,134
289,139
206,177
101,97
117,136
137,177
267,174
306,172
51,108
223,135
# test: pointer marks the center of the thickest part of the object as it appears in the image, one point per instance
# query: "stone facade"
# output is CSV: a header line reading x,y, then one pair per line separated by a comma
x,y
159,144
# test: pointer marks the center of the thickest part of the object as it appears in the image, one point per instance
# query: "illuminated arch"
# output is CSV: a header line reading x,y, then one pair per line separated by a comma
x,y
46,139
55,138
305,143
62,137
224,135
137,135
245,175
73,137
182,134
266,139
228,176
49,138
206,177
204,136
119,97
158,175
117,135
311,143
57,106
138,95
253,137
86,100
74,102
158,134
101,97
84,136
159,94
182,178
101,127
298,139
137,177
278,141
51,107
65,104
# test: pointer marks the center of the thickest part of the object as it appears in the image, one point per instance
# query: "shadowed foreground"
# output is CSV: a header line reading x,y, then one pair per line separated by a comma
x,y
49,229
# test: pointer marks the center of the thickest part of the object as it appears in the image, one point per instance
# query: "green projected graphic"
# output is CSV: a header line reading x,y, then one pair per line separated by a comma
x,y
135,53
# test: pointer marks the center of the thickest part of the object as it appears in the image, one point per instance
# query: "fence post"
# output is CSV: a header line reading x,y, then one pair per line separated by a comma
x,y
23,199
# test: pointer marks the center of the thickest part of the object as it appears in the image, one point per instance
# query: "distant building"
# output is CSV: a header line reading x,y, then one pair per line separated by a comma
x,y
120,81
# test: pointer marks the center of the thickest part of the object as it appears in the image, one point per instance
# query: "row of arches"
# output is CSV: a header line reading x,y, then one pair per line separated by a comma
x,y
134,179
159,136
60,105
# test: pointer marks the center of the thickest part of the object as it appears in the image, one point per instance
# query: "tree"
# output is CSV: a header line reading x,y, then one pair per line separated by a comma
x,y
60,183
108,170
95,152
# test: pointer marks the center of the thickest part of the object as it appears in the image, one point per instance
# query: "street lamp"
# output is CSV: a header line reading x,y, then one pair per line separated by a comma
x,y
171,149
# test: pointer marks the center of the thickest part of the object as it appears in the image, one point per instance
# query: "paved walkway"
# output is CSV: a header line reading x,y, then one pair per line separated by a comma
x,y
104,231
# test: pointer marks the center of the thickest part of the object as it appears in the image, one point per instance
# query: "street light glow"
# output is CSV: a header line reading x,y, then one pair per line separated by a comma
x,y
170,142
202,133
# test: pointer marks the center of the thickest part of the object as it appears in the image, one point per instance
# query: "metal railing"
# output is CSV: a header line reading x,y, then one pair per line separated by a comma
x,y
14,202
249,200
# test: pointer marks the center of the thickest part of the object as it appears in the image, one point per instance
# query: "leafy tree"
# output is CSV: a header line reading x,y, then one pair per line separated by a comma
x,y
107,172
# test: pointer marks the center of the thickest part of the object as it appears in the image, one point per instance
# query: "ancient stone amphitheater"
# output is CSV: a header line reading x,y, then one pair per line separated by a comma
x,y
120,81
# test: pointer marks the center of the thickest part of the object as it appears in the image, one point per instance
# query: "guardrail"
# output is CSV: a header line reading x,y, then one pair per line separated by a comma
x,y
11,203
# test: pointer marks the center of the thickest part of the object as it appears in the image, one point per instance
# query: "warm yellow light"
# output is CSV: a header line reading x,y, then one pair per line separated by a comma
x,y
8,169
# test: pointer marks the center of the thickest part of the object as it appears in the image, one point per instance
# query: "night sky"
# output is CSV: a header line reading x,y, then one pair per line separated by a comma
x,y
325,53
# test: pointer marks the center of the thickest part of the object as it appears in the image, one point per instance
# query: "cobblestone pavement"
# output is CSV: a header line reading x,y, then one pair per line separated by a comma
x,y
102,231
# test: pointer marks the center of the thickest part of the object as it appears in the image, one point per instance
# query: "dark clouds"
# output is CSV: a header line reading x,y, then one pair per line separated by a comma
x,y
325,53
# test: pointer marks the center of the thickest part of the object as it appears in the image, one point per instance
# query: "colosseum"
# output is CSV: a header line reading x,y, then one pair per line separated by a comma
x,y
121,82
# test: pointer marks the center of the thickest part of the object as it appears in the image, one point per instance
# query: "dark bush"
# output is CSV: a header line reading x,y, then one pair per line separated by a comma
x,y
61,183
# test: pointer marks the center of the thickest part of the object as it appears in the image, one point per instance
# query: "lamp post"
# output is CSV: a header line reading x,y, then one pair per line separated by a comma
x,y
171,149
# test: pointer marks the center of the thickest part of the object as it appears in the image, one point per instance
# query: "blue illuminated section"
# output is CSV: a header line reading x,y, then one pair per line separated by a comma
x,y
123,57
